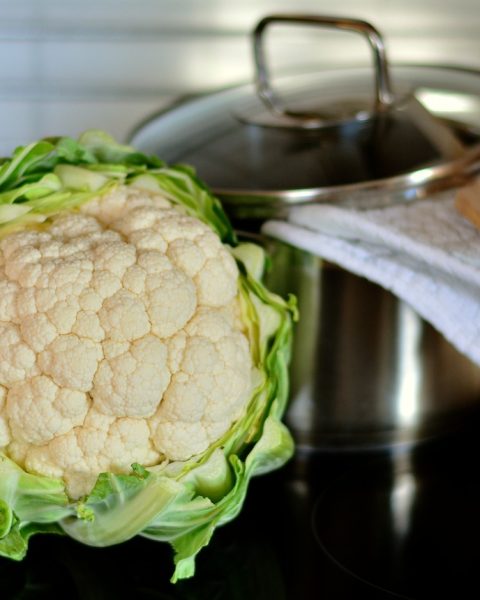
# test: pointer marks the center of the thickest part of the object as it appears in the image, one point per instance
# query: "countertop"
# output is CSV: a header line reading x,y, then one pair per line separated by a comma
x,y
377,525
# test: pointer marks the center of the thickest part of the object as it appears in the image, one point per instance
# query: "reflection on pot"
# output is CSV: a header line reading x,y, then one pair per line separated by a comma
x,y
366,369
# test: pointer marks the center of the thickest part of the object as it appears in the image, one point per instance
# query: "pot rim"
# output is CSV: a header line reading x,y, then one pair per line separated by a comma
x,y
408,186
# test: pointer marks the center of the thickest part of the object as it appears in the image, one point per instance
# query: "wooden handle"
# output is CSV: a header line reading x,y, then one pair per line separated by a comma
x,y
467,202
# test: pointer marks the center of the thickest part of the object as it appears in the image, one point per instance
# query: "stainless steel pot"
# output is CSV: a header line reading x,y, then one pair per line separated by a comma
x,y
366,369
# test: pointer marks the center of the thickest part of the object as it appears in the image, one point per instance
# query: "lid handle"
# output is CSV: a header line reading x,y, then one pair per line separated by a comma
x,y
384,97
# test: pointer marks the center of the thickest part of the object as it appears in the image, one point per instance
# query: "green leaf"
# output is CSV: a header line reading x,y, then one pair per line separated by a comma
x,y
24,159
15,544
107,150
186,548
74,152
80,178
6,518
10,212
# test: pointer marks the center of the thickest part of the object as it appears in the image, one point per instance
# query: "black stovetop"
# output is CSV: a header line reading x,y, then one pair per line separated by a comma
x,y
401,523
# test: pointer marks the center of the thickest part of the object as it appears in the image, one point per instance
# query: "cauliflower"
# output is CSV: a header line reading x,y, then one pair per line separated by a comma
x,y
143,363
122,339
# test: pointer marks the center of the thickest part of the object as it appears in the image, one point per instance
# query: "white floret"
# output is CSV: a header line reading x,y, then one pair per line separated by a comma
x,y
8,294
171,302
132,383
121,339
17,359
209,388
123,317
38,331
52,410
71,361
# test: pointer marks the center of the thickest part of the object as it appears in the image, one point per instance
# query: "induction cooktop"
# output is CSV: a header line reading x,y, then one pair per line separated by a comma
x,y
399,522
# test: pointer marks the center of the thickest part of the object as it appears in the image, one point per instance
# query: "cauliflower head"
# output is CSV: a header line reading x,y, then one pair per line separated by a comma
x,y
143,364
122,339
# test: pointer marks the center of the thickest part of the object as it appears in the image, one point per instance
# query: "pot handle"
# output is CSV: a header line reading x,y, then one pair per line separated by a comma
x,y
384,97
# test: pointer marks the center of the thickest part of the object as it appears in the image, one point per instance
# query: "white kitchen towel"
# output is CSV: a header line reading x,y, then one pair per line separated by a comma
x,y
425,252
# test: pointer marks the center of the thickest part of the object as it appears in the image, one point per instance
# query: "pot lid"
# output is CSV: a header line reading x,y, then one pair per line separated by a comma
x,y
351,136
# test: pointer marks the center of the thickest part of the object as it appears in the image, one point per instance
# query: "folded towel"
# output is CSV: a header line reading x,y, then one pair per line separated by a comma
x,y
425,252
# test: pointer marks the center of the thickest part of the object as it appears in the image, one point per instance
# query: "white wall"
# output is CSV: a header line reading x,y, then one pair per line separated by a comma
x,y
67,65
